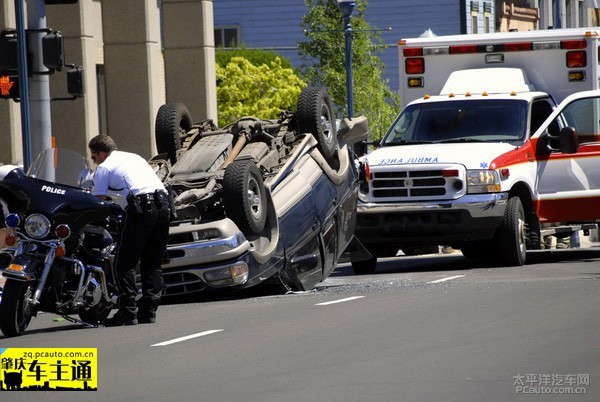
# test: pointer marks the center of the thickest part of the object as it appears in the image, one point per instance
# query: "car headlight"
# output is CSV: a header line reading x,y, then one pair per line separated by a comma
x,y
37,226
483,181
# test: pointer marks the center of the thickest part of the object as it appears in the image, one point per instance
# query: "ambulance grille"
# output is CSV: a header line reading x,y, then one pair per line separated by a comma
x,y
407,184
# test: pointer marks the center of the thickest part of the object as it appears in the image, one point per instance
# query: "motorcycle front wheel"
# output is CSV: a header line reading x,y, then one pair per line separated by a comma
x,y
16,308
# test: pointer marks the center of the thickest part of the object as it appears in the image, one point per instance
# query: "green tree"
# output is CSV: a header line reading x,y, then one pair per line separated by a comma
x,y
324,63
244,89
255,56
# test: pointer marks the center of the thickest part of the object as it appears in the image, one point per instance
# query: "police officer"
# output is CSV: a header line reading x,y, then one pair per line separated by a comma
x,y
145,232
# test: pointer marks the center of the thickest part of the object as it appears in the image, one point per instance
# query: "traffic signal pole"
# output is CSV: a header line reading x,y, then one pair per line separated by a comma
x,y
23,82
41,123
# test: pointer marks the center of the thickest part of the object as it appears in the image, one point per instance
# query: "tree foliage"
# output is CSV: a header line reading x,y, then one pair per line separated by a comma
x,y
244,89
255,56
324,63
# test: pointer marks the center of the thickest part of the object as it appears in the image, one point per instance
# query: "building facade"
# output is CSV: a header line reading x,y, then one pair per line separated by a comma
x,y
136,55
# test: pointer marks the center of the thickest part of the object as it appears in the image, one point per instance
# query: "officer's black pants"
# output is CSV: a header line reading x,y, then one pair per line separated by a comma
x,y
144,239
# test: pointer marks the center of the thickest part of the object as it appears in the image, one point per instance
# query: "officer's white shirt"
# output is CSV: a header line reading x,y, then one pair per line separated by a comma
x,y
122,172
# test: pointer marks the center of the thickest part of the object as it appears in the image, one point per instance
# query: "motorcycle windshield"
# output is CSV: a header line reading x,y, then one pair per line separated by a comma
x,y
58,165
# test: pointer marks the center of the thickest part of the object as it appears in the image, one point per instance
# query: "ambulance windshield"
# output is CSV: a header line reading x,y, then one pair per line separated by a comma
x,y
494,120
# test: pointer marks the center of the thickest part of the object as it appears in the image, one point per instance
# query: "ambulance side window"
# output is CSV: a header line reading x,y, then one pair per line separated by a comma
x,y
584,116
540,110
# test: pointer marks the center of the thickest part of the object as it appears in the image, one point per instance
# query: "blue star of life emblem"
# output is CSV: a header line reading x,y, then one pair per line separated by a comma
x,y
483,165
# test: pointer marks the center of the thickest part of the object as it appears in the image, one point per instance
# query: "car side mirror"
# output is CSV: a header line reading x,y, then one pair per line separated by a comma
x,y
353,130
568,140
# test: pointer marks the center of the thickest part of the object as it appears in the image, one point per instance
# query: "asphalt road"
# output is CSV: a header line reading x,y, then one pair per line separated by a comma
x,y
429,328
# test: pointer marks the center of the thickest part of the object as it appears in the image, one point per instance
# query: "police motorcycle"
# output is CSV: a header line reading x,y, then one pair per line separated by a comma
x,y
62,242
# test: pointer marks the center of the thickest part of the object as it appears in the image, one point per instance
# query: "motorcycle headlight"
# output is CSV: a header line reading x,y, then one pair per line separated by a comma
x,y
37,226
483,181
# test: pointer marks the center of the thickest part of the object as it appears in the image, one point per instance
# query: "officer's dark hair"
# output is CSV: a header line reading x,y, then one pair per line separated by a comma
x,y
102,143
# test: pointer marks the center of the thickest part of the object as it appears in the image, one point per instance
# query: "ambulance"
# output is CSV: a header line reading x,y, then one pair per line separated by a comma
x,y
497,145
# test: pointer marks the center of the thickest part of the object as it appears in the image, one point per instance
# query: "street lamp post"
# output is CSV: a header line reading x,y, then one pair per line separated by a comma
x,y
347,7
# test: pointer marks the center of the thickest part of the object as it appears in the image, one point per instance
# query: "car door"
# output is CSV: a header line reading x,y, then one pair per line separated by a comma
x,y
296,203
567,187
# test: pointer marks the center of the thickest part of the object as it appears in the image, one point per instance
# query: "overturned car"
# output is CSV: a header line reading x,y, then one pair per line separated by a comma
x,y
258,200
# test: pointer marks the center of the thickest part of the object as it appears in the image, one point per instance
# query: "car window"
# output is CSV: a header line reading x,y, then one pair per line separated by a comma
x,y
540,110
583,115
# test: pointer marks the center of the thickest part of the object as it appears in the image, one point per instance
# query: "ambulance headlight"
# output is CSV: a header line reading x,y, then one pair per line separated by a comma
x,y
483,181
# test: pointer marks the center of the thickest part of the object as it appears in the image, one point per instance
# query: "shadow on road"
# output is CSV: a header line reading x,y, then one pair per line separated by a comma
x,y
457,262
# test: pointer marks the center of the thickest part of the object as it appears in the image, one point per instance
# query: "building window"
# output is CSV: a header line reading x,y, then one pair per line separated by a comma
x,y
474,15
543,17
227,36
487,16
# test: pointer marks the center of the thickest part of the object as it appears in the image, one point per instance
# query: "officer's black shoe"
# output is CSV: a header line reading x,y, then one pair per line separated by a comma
x,y
146,317
121,317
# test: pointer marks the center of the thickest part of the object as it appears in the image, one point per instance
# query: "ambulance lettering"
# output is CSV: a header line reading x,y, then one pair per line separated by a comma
x,y
400,161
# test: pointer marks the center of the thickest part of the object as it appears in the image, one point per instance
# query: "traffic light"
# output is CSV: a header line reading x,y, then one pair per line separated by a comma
x,y
75,81
53,49
9,87
8,52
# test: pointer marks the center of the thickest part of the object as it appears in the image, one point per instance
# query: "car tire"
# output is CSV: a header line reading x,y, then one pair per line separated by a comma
x,y
512,234
173,121
244,196
365,267
316,116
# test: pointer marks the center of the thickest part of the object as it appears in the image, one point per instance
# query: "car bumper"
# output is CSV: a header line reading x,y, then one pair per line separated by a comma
x,y
223,261
472,217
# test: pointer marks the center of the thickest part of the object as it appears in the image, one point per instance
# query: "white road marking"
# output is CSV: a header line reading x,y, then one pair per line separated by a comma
x,y
446,279
339,301
185,338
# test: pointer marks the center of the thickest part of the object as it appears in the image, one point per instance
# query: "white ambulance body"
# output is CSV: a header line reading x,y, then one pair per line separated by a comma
x,y
481,158
551,58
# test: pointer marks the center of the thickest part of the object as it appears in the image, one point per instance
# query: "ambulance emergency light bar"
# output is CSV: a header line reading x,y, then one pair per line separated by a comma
x,y
415,63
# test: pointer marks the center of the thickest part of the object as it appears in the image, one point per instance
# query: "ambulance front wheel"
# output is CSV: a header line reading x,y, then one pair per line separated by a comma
x,y
511,236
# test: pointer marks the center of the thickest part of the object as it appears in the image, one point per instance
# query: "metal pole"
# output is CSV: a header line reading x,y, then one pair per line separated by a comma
x,y
40,84
23,83
348,52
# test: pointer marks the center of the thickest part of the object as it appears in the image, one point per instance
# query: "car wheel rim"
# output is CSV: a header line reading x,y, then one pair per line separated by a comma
x,y
521,233
327,132
254,200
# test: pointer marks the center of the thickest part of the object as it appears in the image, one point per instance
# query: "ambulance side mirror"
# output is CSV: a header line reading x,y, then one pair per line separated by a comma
x,y
568,140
